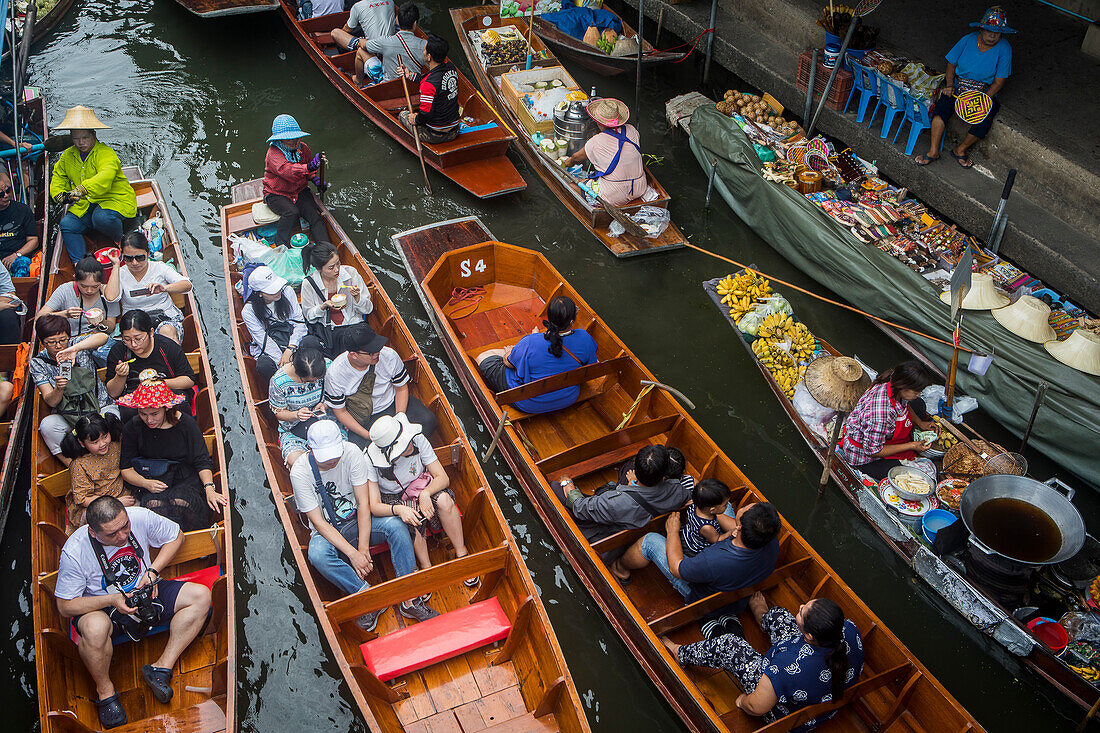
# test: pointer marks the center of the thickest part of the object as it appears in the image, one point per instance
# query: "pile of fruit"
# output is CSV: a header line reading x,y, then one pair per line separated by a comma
x,y
520,8
740,292
946,438
753,107
1090,674
784,369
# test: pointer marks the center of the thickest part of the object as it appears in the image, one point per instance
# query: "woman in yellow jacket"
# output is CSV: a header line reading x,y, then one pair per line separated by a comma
x,y
88,176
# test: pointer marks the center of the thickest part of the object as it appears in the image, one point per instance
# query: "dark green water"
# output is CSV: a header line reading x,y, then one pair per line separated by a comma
x,y
191,102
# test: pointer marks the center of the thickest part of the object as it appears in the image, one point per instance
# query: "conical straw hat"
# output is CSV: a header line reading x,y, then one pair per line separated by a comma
x,y
1080,351
836,382
982,296
81,118
1028,318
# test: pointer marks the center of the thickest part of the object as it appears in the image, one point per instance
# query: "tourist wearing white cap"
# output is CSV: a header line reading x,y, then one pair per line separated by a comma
x,y
406,476
274,320
331,487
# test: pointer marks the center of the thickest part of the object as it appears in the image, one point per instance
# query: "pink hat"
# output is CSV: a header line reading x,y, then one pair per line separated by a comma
x,y
149,394
608,112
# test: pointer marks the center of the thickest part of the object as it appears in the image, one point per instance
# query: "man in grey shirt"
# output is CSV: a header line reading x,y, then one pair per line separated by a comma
x,y
368,19
403,47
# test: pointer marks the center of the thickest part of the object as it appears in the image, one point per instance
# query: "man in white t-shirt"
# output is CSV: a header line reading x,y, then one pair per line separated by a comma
x,y
345,523
368,20
120,539
369,381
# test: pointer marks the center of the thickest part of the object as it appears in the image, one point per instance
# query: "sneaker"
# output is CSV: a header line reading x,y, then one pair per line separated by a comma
x,y
368,621
424,598
418,610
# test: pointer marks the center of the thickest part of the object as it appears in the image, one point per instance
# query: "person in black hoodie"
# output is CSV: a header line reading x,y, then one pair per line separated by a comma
x,y
437,118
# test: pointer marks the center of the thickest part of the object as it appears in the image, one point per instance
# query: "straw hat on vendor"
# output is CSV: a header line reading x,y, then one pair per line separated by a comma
x,y
96,203
615,152
980,62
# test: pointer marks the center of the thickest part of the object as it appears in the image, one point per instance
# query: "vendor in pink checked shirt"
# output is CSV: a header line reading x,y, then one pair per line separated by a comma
x,y
879,431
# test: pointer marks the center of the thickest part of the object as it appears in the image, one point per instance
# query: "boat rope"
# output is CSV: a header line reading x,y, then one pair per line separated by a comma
x,y
823,299
637,401
463,298
497,114
694,43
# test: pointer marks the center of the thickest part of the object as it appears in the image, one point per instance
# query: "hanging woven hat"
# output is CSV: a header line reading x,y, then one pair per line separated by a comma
x,y
150,393
608,112
983,295
81,118
1028,319
1080,351
836,382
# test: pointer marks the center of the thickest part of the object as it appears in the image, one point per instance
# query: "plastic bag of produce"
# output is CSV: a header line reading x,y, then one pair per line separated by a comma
x,y
810,410
750,323
775,304
653,219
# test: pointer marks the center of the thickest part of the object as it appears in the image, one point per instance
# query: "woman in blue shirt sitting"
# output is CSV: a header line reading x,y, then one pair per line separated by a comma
x,y
981,60
537,355
814,655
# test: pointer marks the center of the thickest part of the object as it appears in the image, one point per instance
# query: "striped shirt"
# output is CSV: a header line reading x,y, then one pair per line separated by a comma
x,y
342,380
691,533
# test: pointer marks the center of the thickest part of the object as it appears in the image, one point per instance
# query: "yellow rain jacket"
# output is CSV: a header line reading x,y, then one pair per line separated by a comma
x,y
101,176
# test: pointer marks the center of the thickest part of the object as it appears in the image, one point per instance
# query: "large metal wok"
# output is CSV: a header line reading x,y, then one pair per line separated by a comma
x,y
1043,497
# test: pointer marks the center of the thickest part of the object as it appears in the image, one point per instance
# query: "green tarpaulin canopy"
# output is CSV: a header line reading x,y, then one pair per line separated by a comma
x,y
1068,426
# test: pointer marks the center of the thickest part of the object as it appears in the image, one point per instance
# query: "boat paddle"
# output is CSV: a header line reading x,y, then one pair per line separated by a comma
x,y
415,132
321,177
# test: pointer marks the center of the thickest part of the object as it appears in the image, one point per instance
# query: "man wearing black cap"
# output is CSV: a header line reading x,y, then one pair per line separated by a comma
x,y
368,381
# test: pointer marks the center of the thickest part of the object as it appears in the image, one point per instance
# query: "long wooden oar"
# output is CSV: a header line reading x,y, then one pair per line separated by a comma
x,y
415,132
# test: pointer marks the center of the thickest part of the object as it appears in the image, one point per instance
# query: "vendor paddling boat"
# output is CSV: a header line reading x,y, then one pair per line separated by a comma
x,y
505,670
596,218
14,358
476,160
615,415
219,8
590,57
964,577
204,679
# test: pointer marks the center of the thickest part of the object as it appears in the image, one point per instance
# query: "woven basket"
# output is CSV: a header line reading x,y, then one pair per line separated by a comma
x,y
961,461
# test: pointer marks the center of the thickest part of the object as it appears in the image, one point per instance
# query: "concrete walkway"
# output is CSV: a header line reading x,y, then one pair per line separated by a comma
x,y
1047,128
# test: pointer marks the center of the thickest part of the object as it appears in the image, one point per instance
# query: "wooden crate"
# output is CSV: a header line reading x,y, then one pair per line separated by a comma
x,y
512,82
842,85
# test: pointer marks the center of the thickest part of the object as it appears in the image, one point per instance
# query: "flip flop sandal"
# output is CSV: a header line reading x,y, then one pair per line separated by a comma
x,y
967,165
472,582
157,679
111,712
925,158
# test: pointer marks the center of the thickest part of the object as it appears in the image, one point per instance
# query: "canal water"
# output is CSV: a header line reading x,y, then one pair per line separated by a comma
x,y
191,102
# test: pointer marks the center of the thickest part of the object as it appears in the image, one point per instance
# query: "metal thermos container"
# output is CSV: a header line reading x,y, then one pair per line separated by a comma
x,y
573,125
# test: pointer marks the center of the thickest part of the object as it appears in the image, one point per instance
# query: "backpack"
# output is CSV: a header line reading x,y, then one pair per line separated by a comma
x,y
80,397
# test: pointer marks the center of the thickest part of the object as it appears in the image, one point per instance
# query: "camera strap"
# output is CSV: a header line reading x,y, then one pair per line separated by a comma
x,y
101,556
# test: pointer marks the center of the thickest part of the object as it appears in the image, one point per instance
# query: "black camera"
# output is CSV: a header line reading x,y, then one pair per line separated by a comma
x,y
141,600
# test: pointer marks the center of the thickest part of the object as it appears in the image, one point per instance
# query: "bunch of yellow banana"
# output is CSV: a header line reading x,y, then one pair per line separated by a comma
x,y
740,292
788,378
803,343
1092,674
784,369
775,327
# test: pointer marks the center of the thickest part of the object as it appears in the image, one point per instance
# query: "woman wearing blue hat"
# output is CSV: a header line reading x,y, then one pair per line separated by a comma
x,y
981,61
288,169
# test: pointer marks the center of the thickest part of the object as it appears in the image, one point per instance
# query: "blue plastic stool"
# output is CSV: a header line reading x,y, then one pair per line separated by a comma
x,y
892,100
866,83
916,114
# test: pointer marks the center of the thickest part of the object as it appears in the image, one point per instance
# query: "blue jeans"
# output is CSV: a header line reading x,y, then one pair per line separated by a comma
x,y
333,565
73,227
654,549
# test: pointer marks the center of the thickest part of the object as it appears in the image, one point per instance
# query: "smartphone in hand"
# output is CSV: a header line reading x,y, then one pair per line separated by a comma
x,y
139,292
66,369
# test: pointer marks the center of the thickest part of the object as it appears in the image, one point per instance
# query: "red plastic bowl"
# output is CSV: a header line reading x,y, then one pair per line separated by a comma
x,y
1050,633
101,256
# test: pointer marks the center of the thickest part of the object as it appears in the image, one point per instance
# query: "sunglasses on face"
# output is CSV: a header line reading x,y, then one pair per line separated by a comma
x,y
134,258
5,192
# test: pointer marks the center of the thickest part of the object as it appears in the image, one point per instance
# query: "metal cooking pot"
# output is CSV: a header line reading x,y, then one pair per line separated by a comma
x,y
1042,496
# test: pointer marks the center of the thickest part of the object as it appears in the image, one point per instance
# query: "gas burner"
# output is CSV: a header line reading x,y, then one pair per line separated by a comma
x,y
1005,581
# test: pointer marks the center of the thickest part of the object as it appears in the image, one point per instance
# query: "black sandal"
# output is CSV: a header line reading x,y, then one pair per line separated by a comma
x,y
963,160
157,679
111,712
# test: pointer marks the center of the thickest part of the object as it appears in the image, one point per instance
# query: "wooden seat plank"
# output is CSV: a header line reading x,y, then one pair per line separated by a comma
x,y
571,378
612,441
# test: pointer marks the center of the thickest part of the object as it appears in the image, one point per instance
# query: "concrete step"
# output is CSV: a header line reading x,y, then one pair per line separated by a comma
x,y
1051,230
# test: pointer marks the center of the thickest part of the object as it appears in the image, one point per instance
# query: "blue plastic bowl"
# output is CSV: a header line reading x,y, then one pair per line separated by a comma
x,y
934,521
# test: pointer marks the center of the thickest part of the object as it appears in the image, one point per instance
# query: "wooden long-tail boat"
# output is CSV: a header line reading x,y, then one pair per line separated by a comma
x,y
14,358
44,23
475,160
219,8
519,684
204,679
576,50
613,418
594,218
948,576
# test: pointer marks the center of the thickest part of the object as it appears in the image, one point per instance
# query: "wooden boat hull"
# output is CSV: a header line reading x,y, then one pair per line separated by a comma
x,y
30,291
1039,659
221,8
536,678
595,219
45,24
540,450
476,161
205,676
572,49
